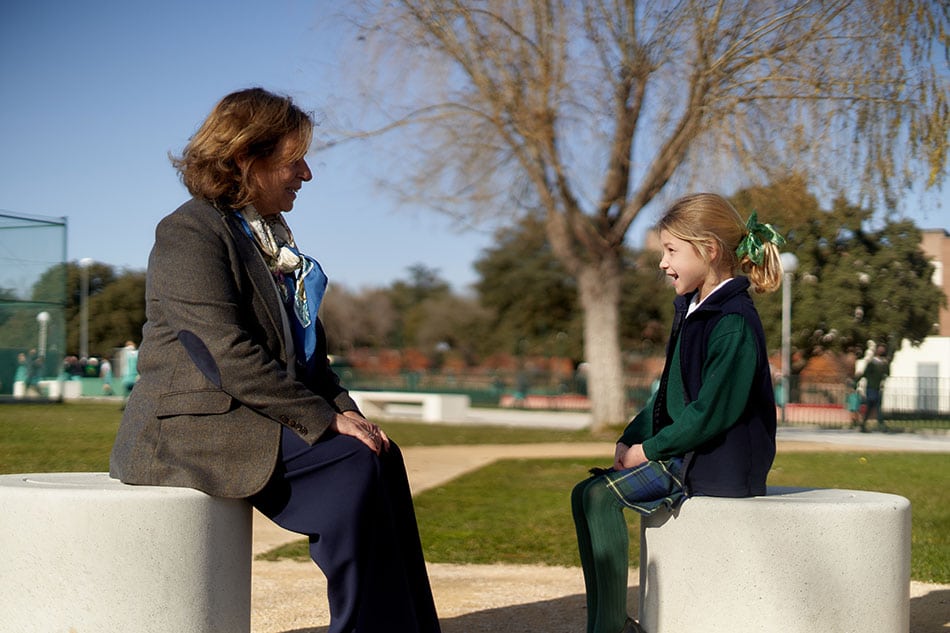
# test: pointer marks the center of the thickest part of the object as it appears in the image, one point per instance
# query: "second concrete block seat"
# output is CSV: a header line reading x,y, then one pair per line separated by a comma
x,y
794,561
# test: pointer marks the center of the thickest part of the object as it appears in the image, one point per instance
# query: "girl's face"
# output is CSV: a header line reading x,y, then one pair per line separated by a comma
x,y
279,178
685,267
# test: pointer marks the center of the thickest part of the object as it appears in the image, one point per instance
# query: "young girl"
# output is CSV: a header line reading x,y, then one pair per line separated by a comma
x,y
710,427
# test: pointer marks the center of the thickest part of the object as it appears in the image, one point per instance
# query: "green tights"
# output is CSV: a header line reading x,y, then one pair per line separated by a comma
x,y
604,548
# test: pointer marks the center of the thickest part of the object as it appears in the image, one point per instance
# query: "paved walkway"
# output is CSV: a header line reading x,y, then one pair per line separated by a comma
x,y
289,597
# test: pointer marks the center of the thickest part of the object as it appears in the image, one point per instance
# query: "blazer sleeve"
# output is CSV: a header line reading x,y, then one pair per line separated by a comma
x,y
203,295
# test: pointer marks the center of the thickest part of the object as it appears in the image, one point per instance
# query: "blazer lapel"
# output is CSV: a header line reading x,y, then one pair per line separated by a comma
x,y
264,286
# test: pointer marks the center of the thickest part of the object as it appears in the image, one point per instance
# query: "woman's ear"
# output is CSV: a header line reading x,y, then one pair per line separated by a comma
x,y
248,170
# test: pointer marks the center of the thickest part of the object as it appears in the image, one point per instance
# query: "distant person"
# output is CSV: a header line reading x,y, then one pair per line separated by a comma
x,y
779,381
21,376
71,368
130,366
710,427
852,402
237,397
36,365
522,385
105,373
875,372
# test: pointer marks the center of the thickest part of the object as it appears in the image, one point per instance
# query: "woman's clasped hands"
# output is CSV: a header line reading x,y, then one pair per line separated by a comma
x,y
353,424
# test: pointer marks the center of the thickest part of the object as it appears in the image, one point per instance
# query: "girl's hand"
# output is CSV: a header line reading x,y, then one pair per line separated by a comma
x,y
619,451
353,424
628,457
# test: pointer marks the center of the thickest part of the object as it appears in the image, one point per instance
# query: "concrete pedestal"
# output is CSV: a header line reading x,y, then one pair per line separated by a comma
x,y
794,561
85,553
430,407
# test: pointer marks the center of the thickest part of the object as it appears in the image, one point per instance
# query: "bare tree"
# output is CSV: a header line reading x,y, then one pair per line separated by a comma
x,y
459,322
365,318
592,110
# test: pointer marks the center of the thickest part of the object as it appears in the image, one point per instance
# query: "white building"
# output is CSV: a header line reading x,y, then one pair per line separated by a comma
x,y
920,376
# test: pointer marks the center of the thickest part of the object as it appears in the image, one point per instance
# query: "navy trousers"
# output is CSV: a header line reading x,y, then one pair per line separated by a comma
x,y
356,509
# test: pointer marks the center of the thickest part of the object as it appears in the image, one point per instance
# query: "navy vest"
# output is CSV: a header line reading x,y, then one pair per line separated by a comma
x,y
736,462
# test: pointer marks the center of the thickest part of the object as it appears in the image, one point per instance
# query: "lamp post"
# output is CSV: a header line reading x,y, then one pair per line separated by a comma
x,y
789,266
84,264
43,319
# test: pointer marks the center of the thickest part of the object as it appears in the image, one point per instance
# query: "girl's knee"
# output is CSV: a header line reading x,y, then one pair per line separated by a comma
x,y
589,493
577,494
596,494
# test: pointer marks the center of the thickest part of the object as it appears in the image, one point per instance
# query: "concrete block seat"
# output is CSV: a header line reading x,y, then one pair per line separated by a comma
x,y
794,561
430,407
82,552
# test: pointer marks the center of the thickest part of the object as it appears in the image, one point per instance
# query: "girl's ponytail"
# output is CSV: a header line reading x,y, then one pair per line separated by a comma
x,y
758,255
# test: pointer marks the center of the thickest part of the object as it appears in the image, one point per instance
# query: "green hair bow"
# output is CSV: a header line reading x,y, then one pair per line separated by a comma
x,y
758,235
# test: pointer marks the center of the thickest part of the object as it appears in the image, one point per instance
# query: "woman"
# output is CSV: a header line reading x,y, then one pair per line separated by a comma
x,y
236,396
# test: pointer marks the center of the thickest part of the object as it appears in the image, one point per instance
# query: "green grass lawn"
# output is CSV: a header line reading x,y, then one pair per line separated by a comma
x,y
470,519
43,438
78,436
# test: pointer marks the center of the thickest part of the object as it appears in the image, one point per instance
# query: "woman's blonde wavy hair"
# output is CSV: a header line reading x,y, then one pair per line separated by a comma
x,y
704,218
243,128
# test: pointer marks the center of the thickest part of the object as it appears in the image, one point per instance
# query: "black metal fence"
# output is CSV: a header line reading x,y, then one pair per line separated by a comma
x,y
908,403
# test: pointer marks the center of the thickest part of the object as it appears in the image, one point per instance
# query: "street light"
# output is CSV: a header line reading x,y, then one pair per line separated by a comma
x,y
43,319
84,264
789,265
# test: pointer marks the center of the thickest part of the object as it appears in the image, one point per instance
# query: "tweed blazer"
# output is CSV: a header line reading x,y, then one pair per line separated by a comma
x,y
218,374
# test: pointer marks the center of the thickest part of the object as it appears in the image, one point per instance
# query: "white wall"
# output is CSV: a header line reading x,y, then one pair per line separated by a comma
x,y
933,349
905,366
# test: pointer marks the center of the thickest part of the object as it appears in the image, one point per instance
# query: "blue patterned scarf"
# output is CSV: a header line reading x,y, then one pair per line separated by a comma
x,y
299,277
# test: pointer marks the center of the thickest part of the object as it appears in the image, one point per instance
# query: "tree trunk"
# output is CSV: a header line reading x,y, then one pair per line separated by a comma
x,y
599,287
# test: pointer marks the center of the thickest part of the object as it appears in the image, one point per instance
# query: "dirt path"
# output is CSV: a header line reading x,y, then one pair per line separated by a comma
x,y
290,597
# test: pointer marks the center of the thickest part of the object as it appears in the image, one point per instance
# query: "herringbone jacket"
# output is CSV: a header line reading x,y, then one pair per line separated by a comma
x,y
218,374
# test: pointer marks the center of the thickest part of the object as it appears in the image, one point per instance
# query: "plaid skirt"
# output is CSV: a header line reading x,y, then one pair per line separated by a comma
x,y
648,487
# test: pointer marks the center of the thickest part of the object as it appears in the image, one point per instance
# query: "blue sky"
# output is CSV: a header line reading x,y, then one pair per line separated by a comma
x,y
95,94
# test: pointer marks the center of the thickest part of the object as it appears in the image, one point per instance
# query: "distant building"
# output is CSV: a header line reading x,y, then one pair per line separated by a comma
x,y
920,376
935,243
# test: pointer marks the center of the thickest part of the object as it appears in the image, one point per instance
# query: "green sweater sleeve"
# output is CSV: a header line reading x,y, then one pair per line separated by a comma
x,y
640,427
726,382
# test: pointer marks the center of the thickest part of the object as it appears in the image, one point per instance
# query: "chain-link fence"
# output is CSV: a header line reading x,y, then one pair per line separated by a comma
x,y
32,305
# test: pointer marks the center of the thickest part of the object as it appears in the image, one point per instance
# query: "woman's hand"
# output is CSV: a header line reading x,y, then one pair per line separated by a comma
x,y
628,456
353,424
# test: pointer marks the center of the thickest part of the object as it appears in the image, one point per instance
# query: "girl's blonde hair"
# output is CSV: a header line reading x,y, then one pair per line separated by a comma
x,y
243,128
706,218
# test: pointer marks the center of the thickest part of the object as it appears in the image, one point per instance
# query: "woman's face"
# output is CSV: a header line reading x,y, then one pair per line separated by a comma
x,y
278,179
